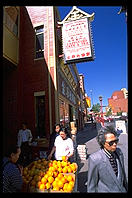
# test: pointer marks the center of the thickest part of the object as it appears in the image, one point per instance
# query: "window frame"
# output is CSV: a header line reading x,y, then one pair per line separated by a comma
x,y
39,33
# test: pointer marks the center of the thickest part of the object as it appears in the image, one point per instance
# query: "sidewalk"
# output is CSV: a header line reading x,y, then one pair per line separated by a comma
x,y
86,137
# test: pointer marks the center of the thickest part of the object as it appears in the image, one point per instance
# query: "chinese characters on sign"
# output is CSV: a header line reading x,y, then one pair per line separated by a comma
x,y
77,44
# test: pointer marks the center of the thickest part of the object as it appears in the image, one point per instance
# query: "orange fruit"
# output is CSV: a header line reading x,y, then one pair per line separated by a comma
x,y
69,178
69,188
71,183
55,167
59,164
38,184
55,174
48,185
63,158
73,167
41,174
50,179
55,183
46,176
50,164
60,184
64,180
69,170
54,162
60,175
44,180
45,163
57,179
50,173
50,168
56,188
60,170
65,163
65,170
65,186
42,186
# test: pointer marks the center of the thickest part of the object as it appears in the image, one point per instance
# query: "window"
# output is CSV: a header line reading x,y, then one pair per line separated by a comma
x,y
39,51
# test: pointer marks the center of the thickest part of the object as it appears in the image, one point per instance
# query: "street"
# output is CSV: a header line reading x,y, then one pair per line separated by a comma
x,y
88,137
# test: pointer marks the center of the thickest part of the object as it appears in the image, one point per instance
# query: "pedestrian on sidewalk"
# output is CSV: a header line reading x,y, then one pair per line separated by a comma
x,y
106,172
57,129
63,146
24,139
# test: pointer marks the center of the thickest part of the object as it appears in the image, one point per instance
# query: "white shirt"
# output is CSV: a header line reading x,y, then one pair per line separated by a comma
x,y
63,147
24,136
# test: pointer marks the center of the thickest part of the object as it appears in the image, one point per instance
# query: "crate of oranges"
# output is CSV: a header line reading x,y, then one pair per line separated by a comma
x,y
65,182
50,176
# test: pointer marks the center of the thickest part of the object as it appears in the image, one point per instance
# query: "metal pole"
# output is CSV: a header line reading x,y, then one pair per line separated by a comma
x,y
101,110
91,91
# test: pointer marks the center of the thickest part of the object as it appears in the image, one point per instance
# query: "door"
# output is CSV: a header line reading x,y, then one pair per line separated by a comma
x,y
40,116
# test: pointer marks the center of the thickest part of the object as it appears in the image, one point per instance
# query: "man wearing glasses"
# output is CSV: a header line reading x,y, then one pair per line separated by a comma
x,y
106,171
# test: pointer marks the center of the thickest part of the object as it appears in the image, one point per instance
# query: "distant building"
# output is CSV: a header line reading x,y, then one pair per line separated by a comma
x,y
119,101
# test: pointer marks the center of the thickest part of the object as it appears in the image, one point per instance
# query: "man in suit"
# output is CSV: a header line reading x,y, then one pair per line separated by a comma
x,y
106,171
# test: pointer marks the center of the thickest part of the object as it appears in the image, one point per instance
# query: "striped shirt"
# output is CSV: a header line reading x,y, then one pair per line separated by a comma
x,y
112,160
12,179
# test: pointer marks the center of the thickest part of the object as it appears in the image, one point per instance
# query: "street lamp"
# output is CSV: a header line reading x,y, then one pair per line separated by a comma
x,y
101,109
91,91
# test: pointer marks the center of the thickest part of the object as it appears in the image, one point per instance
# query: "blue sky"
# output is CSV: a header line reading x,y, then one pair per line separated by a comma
x,y
108,72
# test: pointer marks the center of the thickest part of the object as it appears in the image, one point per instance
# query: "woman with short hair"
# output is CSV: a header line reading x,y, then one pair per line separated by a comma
x,y
63,146
12,173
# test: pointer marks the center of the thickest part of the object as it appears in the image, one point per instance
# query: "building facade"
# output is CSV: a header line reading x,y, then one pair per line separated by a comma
x,y
37,87
119,101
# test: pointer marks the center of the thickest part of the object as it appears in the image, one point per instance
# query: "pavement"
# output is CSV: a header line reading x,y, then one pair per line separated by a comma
x,y
88,137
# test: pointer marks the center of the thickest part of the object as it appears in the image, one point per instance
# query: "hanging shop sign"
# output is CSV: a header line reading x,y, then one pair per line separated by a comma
x,y
77,44
77,37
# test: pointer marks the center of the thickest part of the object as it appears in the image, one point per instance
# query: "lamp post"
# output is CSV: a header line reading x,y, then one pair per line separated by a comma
x,y
91,92
101,110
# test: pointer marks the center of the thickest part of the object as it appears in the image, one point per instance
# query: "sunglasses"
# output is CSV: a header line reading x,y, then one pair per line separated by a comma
x,y
112,142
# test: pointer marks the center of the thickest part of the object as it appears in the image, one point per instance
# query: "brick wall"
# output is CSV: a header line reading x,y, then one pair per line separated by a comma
x,y
118,102
33,73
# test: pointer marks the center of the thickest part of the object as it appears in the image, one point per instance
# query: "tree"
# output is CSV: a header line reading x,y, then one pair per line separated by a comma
x,y
96,108
109,112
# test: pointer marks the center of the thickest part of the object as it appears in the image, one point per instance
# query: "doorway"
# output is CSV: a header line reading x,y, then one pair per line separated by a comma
x,y
70,113
40,116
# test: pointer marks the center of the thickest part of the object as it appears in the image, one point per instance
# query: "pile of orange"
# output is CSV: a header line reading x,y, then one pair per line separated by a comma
x,y
50,175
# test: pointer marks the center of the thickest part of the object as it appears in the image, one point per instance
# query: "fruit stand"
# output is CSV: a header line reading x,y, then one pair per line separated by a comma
x,y
50,176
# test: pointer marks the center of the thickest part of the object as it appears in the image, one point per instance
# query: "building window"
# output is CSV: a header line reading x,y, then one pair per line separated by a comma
x,y
39,51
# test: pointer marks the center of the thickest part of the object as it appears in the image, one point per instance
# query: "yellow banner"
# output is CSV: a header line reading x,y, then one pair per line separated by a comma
x,y
88,100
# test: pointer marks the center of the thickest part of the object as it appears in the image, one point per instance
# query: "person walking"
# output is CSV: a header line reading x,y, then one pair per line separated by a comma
x,y
55,133
24,139
12,173
63,146
106,172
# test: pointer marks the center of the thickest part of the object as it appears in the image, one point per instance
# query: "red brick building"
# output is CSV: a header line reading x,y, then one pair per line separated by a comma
x,y
37,87
119,101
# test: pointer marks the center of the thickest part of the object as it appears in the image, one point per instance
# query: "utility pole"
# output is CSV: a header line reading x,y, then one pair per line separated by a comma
x,y
91,93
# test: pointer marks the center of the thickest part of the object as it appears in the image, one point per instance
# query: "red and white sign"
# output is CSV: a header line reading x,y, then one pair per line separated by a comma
x,y
77,45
